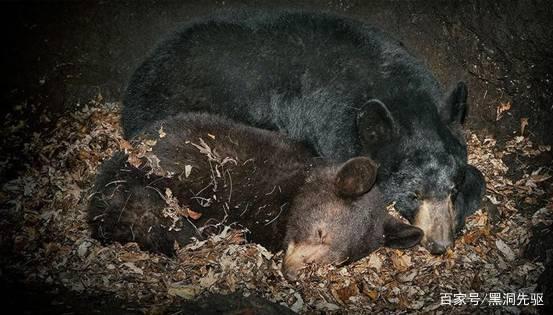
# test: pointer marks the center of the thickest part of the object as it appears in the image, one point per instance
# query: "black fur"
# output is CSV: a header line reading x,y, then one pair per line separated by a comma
x,y
470,193
341,87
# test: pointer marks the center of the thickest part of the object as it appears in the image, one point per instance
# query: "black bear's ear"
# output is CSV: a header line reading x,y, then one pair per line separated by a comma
x,y
375,125
455,107
355,177
400,235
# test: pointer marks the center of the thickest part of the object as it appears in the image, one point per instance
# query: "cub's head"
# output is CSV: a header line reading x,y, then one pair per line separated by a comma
x,y
338,216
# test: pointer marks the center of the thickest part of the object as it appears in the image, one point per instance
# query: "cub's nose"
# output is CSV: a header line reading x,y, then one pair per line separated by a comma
x,y
437,247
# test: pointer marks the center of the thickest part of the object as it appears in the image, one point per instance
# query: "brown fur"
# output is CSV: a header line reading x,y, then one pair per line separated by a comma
x,y
253,178
262,171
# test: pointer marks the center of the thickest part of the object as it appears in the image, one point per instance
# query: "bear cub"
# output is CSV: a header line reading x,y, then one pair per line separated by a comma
x,y
201,172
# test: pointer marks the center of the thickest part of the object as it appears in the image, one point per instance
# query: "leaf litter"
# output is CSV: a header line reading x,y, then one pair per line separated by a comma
x,y
43,222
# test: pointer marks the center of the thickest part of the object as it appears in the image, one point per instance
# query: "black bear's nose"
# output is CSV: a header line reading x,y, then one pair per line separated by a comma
x,y
437,247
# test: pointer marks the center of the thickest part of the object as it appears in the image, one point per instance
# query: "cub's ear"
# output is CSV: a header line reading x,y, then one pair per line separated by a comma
x,y
375,125
400,235
355,177
455,108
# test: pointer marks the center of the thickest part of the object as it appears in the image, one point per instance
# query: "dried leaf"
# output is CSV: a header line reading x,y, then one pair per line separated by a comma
x,y
539,178
501,108
209,279
505,249
523,125
344,293
375,262
133,268
187,170
415,304
162,133
401,262
187,292
298,305
83,248
373,294
327,306
134,256
470,237
193,215
125,145
407,276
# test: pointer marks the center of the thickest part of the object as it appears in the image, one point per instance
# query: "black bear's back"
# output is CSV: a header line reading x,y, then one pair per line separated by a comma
x,y
305,74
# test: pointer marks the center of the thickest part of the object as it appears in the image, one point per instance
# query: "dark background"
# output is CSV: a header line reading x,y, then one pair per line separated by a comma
x,y
57,56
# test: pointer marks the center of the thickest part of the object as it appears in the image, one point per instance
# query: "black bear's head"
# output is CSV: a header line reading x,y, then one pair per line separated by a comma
x,y
423,162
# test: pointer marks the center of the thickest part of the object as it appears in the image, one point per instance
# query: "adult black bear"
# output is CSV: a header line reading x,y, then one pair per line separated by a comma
x,y
204,171
340,86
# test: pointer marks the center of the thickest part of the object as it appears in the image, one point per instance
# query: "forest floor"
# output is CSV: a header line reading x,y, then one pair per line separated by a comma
x,y
45,240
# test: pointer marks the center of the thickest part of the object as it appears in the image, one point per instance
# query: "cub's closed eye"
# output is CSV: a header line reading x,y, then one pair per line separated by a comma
x,y
414,196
